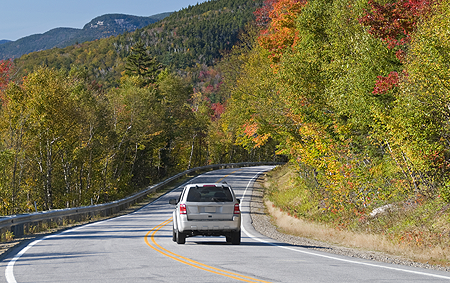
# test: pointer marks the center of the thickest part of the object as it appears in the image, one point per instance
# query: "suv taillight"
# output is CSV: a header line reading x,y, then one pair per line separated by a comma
x,y
183,209
236,209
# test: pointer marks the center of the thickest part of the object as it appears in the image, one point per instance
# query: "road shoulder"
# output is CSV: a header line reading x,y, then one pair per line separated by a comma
x,y
270,223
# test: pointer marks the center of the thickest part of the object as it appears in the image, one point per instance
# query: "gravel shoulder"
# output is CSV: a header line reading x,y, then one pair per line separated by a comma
x,y
263,223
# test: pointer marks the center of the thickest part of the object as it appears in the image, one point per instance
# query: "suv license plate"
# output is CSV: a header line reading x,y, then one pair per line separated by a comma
x,y
210,209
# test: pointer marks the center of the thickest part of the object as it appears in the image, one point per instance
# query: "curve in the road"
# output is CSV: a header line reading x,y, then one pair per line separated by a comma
x,y
303,267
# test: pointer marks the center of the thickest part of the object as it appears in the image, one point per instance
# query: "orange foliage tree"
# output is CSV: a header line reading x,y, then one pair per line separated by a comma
x,y
281,31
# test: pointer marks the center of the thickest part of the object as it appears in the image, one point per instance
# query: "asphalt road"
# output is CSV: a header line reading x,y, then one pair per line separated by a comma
x,y
138,248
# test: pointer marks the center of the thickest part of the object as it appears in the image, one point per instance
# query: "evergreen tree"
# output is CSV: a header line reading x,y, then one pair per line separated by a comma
x,y
140,63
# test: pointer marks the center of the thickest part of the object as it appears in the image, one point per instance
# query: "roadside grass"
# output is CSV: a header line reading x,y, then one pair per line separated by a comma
x,y
416,231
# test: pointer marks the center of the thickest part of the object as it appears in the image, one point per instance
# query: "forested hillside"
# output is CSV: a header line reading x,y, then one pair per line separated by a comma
x,y
194,35
100,27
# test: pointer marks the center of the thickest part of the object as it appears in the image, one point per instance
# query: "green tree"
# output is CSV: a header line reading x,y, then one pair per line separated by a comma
x,y
138,123
420,119
140,63
179,122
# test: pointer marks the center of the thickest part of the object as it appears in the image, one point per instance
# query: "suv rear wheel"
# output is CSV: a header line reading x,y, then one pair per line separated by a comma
x,y
234,238
174,235
181,237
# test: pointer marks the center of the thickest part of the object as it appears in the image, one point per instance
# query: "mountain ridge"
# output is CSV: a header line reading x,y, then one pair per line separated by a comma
x,y
100,27
192,37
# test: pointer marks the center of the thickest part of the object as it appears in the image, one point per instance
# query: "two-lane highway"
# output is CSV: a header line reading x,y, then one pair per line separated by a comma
x,y
138,248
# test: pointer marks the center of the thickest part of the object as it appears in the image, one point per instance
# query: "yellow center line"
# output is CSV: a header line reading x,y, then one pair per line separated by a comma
x,y
227,175
191,262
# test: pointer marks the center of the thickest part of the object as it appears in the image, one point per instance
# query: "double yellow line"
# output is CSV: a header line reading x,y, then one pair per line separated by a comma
x,y
191,262
220,180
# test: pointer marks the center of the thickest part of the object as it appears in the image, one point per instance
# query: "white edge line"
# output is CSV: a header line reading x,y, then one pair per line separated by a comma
x,y
326,256
9,270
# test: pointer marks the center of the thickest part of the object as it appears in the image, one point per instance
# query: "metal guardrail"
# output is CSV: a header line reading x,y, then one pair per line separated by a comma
x,y
20,224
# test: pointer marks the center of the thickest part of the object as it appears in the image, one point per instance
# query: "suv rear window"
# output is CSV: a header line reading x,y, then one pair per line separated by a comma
x,y
209,194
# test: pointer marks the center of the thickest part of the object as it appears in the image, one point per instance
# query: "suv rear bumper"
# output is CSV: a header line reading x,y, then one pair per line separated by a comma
x,y
205,227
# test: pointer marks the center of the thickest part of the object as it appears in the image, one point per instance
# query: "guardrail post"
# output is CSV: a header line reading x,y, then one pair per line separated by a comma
x,y
17,230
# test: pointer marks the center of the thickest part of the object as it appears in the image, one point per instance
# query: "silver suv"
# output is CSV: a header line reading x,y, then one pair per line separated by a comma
x,y
209,209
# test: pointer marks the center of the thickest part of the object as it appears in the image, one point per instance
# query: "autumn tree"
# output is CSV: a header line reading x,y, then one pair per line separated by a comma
x,y
281,32
422,110
54,130
254,115
335,103
5,70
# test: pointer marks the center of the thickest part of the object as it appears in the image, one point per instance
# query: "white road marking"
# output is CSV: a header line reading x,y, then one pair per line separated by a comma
x,y
327,256
9,271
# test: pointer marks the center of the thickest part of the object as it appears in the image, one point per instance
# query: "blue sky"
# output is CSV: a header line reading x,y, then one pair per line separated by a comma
x,y
20,18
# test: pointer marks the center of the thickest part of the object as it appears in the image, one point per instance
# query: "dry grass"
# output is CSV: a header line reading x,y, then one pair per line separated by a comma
x,y
369,242
419,232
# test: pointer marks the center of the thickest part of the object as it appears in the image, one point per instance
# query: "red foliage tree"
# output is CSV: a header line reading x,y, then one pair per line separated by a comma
x,y
384,84
394,22
218,109
5,69
5,72
262,14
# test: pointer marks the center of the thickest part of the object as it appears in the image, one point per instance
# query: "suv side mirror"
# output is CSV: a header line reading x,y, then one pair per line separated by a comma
x,y
173,201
